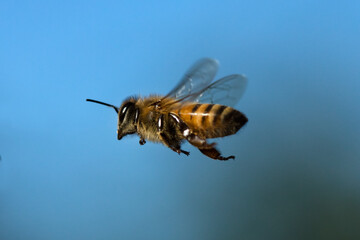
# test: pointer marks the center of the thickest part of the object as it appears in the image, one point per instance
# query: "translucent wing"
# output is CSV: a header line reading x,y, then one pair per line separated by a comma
x,y
195,79
226,91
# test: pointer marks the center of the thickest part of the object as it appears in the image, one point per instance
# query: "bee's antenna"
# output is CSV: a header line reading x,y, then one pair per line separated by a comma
x,y
106,104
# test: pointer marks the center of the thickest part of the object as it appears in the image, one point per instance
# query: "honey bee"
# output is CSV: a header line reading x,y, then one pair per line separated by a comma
x,y
193,111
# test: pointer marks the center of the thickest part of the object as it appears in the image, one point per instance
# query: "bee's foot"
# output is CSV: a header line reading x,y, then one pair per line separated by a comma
x,y
185,152
142,141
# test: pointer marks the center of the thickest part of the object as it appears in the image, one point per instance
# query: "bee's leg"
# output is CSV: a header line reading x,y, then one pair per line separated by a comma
x,y
168,137
173,145
207,149
142,141
185,152
199,142
215,154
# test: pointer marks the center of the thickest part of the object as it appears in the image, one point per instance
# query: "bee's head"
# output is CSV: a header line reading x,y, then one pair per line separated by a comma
x,y
127,118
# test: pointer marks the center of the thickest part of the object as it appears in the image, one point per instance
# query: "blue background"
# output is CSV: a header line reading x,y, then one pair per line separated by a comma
x,y
64,175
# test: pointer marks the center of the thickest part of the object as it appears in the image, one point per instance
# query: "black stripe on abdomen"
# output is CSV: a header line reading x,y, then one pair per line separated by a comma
x,y
218,113
206,111
195,108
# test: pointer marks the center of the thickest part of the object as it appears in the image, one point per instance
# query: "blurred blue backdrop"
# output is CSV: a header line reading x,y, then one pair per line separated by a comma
x,y
64,175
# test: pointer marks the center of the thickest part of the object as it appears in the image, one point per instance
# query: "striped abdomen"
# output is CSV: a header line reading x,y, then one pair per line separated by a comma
x,y
211,120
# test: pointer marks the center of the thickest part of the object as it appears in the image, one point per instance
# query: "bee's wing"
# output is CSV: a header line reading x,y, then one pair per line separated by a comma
x,y
226,91
195,79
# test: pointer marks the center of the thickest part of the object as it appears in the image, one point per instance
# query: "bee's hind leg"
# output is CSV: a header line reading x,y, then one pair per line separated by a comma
x,y
215,154
199,142
206,148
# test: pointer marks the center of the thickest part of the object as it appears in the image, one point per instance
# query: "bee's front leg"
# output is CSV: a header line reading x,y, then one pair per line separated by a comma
x,y
142,141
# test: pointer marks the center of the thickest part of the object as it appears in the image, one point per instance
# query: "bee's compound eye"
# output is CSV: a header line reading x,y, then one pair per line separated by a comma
x,y
124,109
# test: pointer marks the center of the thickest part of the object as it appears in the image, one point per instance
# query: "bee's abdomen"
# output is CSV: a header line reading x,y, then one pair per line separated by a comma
x,y
212,120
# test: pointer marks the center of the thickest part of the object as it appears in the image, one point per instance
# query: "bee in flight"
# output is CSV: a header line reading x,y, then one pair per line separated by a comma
x,y
195,110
